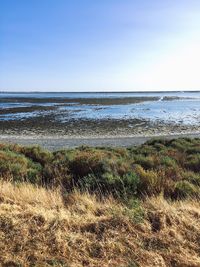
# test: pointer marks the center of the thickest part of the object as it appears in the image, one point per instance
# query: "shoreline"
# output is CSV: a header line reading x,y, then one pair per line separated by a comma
x,y
56,142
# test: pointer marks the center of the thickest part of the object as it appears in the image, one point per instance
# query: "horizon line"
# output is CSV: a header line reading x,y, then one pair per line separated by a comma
x,y
86,92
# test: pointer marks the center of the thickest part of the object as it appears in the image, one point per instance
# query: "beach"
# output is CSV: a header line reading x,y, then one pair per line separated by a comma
x,y
53,143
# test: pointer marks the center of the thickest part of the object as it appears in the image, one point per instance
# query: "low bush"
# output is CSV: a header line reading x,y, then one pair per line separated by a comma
x,y
146,162
168,161
18,168
193,163
193,178
37,154
185,189
168,167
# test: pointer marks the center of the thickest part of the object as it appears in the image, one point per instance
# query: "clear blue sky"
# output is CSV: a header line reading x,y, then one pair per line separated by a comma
x,y
100,45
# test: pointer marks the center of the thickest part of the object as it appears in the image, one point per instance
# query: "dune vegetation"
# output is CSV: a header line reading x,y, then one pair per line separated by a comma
x,y
125,207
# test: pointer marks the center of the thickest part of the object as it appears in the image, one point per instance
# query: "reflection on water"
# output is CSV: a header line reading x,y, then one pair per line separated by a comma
x,y
185,110
176,111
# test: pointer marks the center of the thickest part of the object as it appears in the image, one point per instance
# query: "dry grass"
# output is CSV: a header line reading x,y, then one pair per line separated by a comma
x,y
28,194
39,227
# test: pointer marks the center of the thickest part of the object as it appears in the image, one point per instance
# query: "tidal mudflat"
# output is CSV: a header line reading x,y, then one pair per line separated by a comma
x,y
99,115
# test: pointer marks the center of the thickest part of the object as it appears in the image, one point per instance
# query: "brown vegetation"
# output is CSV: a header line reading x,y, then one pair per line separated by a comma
x,y
101,206
38,228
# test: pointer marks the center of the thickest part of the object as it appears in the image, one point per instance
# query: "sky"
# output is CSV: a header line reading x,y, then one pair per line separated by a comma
x,y
99,45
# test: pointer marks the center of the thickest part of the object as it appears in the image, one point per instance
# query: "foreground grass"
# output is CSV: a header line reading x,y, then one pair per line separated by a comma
x,y
40,227
101,206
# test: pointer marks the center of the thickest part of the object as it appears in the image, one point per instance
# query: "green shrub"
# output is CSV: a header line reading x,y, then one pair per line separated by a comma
x,y
168,167
145,162
193,163
194,150
149,181
57,174
168,161
37,154
130,183
134,210
18,168
182,144
146,150
87,162
125,186
157,141
193,178
184,189
131,209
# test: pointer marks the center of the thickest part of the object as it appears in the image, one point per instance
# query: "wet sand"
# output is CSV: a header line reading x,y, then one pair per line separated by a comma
x,y
49,125
52,134
81,101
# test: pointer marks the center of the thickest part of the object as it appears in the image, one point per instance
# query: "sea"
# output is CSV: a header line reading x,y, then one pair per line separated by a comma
x,y
181,107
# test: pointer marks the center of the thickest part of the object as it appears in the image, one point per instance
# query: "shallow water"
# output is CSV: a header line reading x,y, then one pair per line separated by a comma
x,y
185,110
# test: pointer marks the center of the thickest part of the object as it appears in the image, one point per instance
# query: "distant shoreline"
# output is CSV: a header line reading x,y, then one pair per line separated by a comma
x,y
96,92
